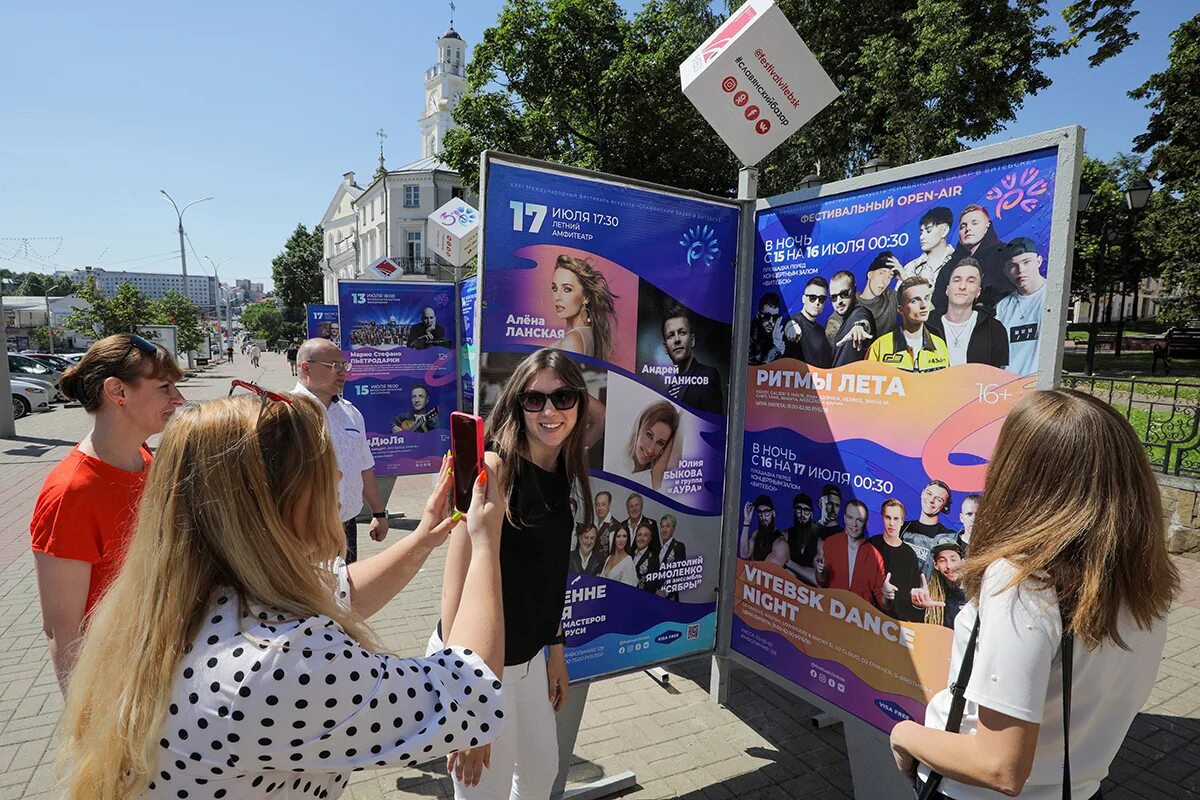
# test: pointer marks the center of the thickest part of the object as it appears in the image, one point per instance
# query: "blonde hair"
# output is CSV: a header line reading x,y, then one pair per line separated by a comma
x,y
230,477
1096,535
660,411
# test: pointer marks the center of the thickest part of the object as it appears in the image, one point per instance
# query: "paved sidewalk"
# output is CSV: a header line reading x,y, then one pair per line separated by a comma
x,y
679,744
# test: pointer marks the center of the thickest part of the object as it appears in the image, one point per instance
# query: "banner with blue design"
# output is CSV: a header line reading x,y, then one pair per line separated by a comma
x,y
637,283
468,296
399,338
322,322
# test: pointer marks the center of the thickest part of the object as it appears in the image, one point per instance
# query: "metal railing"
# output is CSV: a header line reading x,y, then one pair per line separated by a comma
x,y
1164,413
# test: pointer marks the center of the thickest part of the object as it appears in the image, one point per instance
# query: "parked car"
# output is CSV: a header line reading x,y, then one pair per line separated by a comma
x,y
51,360
25,367
73,358
28,397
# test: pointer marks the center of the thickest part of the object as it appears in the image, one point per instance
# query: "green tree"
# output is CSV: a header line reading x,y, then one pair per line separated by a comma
x,y
1173,140
175,308
263,321
576,81
108,315
297,270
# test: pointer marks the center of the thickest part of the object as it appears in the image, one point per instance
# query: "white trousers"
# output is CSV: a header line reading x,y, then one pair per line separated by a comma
x,y
525,756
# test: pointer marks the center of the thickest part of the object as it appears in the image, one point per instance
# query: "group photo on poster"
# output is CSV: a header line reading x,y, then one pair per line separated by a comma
x,y
921,300
635,286
399,340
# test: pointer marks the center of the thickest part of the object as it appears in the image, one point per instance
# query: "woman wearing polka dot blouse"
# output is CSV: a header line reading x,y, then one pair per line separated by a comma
x,y
229,659
541,428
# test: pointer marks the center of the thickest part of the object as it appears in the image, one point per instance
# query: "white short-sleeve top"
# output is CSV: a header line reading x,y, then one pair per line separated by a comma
x,y
1018,672
293,715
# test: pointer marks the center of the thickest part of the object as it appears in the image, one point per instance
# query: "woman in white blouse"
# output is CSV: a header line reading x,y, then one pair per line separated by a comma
x,y
619,566
229,660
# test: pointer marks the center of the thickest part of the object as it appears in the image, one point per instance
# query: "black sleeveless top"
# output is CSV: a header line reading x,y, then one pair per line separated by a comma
x,y
533,559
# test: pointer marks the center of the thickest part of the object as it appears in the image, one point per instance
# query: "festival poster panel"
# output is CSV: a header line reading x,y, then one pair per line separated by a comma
x,y
468,294
638,285
322,322
892,331
399,340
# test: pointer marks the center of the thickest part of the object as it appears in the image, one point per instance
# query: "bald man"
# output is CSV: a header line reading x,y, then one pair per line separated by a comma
x,y
323,369
428,333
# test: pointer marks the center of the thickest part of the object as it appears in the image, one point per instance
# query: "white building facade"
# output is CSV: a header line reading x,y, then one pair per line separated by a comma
x,y
202,289
387,218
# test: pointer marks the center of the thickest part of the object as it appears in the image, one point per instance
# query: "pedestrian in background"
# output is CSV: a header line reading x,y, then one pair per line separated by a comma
x,y
292,350
232,658
323,369
83,516
1067,611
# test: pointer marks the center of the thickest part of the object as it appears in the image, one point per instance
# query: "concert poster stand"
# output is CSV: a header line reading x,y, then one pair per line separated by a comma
x,y
871,764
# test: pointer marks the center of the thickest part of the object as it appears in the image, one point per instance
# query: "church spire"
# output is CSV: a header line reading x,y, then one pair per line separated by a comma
x,y
381,170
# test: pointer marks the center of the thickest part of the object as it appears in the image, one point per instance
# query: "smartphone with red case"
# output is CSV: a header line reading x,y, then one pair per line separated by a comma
x,y
466,447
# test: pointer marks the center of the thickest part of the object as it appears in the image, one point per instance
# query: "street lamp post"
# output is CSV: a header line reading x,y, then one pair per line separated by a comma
x,y
1136,198
228,309
182,252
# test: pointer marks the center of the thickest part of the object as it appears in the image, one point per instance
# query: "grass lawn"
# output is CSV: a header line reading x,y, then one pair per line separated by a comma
x,y
1131,364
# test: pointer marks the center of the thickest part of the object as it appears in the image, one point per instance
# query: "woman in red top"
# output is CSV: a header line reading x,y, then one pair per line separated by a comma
x,y
84,513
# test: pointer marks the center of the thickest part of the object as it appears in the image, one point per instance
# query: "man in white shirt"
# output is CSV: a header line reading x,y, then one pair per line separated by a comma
x,y
1021,311
323,370
935,250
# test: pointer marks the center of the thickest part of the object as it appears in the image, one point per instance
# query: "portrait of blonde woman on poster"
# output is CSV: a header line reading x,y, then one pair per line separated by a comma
x,y
586,305
1059,643
619,564
652,444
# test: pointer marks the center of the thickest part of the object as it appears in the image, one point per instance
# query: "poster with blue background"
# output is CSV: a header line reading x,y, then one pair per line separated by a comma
x,y
322,322
468,296
637,283
399,338
892,330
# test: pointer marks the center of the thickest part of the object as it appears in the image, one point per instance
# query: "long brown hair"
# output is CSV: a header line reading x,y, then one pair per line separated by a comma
x,y
506,425
115,356
600,306
1071,501
218,511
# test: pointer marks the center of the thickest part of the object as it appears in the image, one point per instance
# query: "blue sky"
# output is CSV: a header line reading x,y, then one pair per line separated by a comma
x,y
264,105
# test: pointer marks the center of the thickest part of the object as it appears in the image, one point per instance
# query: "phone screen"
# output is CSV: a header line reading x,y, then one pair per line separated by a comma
x,y
464,442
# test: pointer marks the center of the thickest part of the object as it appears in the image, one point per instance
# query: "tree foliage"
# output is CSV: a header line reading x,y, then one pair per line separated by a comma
x,y
176,308
1173,140
576,81
34,284
297,270
263,320
106,316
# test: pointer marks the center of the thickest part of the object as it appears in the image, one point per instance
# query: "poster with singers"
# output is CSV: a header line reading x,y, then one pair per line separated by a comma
x,y
891,331
322,322
636,285
399,339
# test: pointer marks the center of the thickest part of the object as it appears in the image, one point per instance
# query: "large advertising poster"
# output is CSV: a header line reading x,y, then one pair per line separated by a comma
x,y
891,331
322,322
637,284
468,296
399,340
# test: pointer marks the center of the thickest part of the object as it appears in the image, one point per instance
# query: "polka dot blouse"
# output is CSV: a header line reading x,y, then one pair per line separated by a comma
x,y
292,718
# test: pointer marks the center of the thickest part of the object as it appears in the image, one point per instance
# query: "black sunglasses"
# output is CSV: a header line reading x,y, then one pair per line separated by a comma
x,y
145,345
562,399
815,298
845,294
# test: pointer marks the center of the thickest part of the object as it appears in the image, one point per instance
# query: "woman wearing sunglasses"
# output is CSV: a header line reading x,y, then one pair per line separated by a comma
x,y
84,513
539,430
231,658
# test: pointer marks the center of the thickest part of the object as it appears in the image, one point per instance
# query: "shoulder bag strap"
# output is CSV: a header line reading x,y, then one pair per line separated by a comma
x,y
1068,657
958,690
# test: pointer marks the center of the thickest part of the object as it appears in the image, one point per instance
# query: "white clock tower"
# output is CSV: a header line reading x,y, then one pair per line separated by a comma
x,y
444,84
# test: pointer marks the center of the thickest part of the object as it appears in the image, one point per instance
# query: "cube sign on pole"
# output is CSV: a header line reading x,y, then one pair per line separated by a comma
x,y
454,231
755,81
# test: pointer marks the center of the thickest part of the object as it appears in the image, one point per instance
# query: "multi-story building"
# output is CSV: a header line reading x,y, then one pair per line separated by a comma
x,y
387,218
201,288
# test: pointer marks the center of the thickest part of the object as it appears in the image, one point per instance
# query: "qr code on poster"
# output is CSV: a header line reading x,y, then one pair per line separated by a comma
x,y
693,632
